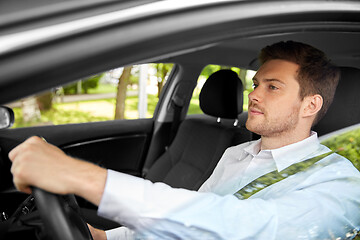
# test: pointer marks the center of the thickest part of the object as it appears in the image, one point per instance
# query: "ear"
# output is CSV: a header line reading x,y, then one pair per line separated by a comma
x,y
312,105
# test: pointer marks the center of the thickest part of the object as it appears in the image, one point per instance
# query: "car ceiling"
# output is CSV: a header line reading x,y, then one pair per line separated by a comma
x,y
236,43
343,48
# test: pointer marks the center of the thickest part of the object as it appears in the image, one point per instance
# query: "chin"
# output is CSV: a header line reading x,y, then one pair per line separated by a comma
x,y
252,127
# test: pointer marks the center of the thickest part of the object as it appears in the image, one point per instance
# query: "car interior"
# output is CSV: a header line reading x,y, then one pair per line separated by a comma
x,y
171,147
188,161
201,139
195,150
342,112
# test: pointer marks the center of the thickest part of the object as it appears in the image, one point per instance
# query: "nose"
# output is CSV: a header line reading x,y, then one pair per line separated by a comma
x,y
254,96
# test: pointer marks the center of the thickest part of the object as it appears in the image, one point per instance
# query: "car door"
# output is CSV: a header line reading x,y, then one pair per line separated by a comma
x,y
120,145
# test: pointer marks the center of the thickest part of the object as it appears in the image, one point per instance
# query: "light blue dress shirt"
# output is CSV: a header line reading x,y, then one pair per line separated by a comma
x,y
320,203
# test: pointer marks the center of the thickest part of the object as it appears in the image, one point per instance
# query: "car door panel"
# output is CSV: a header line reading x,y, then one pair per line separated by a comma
x,y
123,153
120,145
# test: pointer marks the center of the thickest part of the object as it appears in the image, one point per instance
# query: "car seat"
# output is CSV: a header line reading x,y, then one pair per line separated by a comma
x,y
344,111
201,140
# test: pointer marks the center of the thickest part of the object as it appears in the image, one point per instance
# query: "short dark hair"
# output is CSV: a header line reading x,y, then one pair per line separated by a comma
x,y
317,75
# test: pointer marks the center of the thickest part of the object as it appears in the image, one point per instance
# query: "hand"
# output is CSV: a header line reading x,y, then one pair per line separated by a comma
x,y
38,163
97,234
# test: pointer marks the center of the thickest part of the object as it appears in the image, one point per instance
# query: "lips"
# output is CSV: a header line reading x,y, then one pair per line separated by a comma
x,y
254,110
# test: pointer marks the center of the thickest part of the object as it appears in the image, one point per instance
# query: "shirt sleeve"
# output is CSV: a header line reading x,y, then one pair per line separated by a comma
x,y
120,233
159,211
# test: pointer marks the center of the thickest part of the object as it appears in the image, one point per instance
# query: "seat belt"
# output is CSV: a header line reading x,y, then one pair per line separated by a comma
x,y
178,104
275,176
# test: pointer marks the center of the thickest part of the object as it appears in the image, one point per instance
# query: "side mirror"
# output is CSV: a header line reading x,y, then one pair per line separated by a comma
x,y
6,117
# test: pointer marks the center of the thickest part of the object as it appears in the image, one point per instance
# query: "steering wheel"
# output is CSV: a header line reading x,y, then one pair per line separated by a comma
x,y
61,222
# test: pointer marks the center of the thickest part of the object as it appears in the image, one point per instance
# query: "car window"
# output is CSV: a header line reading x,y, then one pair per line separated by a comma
x,y
244,74
345,142
123,93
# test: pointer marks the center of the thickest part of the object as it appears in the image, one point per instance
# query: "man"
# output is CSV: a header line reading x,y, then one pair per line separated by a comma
x,y
293,88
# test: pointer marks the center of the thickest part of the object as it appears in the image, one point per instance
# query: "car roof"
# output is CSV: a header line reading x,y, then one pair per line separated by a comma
x,y
47,45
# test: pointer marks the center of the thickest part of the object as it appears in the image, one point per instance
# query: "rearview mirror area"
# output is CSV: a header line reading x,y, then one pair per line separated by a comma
x,y
6,117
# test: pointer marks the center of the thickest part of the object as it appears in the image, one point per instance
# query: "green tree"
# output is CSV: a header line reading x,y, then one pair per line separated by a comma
x,y
210,69
162,70
121,93
86,84
134,76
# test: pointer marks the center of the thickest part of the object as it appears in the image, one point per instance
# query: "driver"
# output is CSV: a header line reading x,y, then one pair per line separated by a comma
x,y
317,197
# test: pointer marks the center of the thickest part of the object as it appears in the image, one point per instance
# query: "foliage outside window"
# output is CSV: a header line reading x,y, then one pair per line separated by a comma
x,y
94,98
347,145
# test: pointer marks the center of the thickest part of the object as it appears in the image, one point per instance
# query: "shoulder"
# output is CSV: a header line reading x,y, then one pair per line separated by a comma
x,y
335,167
341,162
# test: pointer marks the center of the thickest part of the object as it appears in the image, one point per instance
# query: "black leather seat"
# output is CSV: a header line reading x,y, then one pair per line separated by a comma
x,y
344,111
201,140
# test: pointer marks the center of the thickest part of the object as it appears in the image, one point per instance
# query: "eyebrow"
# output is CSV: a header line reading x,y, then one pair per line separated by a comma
x,y
270,80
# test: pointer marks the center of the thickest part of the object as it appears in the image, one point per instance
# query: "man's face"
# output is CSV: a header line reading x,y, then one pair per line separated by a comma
x,y
274,104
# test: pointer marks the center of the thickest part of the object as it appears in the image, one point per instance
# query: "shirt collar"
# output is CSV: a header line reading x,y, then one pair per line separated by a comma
x,y
290,154
253,148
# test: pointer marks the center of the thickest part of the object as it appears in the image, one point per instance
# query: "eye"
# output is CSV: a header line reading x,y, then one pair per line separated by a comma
x,y
272,87
254,85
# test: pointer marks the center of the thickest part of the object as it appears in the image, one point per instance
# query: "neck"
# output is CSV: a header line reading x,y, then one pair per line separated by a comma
x,y
281,140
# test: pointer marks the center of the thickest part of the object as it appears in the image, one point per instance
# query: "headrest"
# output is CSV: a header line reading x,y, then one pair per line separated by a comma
x,y
222,95
344,111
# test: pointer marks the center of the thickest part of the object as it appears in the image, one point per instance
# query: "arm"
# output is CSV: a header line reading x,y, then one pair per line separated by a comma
x,y
316,206
120,233
155,209
97,234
